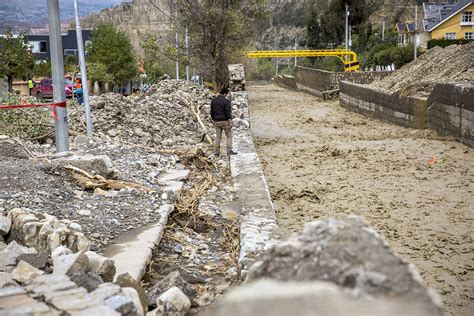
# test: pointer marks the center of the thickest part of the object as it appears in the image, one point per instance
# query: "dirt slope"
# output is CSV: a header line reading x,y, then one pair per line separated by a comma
x,y
414,187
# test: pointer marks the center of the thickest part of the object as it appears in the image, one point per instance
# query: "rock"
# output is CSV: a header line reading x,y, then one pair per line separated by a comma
x,y
60,251
269,297
24,305
174,279
106,290
25,272
100,165
5,225
6,280
126,280
132,294
100,310
173,300
123,305
39,260
69,264
9,255
11,291
346,252
205,299
88,280
84,212
102,265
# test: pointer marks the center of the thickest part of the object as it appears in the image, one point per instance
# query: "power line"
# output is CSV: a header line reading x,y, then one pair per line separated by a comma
x,y
159,9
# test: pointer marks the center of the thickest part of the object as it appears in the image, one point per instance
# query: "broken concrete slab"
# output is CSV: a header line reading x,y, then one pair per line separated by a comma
x,y
132,252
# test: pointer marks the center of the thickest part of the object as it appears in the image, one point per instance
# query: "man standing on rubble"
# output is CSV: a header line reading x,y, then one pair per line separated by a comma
x,y
221,114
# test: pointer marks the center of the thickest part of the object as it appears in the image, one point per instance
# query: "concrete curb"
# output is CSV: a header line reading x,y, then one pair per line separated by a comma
x,y
133,251
257,219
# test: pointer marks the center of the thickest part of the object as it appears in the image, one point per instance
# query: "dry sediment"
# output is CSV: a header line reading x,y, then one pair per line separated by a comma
x,y
454,63
414,187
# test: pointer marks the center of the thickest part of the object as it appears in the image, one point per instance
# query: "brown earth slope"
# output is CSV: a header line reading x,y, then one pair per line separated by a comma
x,y
414,187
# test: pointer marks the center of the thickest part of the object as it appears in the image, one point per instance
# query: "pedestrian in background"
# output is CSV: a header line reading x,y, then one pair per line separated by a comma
x,y
221,114
31,84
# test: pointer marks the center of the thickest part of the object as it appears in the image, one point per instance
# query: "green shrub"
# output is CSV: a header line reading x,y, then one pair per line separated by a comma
x,y
444,42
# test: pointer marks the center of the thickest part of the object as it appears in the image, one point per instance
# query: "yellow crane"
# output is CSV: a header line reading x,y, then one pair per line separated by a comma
x,y
348,57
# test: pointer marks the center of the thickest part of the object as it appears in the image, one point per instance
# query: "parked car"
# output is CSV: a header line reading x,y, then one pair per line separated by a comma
x,y
44,90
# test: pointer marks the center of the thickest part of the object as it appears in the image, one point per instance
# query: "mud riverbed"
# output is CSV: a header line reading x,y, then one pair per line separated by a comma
x,y
414,187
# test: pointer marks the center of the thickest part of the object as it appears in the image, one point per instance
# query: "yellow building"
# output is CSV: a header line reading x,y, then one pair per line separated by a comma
x,y
449,21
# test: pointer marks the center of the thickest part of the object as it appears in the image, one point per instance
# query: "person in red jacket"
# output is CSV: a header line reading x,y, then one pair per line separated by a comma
x,y
221,114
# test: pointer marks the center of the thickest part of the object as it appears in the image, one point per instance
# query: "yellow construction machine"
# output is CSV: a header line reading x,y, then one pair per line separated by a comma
x,y
348,57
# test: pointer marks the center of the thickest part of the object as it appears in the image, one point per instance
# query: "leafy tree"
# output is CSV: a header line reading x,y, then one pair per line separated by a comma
x,y
220,30
98,72
42,69
111,48
152,62
70,64
16,59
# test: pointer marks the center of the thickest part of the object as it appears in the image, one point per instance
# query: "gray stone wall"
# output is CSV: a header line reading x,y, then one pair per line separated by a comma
x,y
451,111
403,110
316,81
286,81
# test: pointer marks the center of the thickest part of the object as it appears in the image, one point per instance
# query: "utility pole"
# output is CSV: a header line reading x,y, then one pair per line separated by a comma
x,y
57,67
415,44
85,83
346,15
296,48
276,71
177,59
383,29
187,52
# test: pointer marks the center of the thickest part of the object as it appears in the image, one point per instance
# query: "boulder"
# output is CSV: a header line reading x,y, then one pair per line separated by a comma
x,y
9,255
174,279
25,272
102,265
5,225
94,165
123,305
88,280
173,300
132,294
126,280
348,253
69,264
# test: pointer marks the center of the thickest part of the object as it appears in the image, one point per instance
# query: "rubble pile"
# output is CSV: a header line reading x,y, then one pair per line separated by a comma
x,y
47,269
164,116
454,63
45,185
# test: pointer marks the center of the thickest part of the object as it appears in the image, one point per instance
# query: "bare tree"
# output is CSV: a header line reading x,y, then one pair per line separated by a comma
x,y
220,31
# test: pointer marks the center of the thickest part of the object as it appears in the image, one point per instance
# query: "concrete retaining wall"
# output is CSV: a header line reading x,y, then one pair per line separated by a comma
x,y
451,111
403,110
257,219
286,81
316,81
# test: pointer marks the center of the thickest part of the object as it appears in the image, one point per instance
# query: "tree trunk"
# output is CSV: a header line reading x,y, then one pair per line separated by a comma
x,y
10,83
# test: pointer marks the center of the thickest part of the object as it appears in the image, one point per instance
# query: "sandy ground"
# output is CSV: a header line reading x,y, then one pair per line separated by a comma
x,y
414,187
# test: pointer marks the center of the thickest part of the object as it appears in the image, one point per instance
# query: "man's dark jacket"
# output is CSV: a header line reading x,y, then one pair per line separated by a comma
x,y
221,109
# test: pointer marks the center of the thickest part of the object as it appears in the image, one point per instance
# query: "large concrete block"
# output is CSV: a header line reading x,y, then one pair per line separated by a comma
x,y
269,297
349,253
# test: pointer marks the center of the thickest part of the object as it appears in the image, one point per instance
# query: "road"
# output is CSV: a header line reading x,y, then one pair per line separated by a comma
x,y
414,187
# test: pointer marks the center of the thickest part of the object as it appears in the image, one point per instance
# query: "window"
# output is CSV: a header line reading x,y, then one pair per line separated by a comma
x,y
38,46
401,40
466,16
450,36
469,35
70,52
